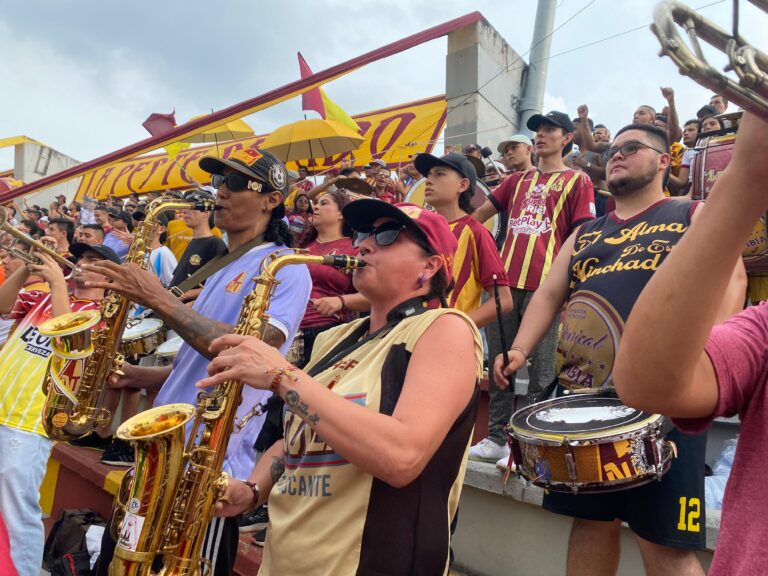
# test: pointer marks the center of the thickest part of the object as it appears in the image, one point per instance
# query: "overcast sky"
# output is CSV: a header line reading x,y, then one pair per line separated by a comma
x,y
82,75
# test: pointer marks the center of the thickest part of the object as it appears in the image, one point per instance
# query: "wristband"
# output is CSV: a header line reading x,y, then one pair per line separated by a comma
x,y
343,302
523,352
255,493
279,373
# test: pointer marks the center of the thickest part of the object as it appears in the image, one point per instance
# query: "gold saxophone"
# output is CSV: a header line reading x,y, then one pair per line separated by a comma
x,y
165,507
76,382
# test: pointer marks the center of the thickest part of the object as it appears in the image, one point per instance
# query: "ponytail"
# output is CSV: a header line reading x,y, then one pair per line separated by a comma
x,y
277,230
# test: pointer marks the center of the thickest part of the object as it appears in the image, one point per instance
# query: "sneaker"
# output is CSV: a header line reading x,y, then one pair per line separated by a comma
x,y
504,465
92,441
254,520
119,453
259,537
488,451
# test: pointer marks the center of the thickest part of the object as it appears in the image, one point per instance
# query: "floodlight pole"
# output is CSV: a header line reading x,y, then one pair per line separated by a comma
x,y
532,101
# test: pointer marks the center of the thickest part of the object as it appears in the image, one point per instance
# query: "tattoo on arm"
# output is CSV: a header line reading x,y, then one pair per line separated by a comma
x,y
273,336
293,400
195,329
276,469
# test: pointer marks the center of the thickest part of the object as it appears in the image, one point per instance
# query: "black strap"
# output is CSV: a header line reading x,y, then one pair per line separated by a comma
x,y
357,338
214,265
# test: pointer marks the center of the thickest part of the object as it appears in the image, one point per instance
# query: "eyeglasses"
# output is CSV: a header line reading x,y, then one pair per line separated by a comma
x,y
630,148
384,235
235,182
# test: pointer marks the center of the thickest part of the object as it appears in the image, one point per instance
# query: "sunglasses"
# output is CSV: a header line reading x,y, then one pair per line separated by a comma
x,y
630,148
236,182
385,235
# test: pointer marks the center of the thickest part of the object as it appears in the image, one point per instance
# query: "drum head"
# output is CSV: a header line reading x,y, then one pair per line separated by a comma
x,y
415,195
138,329
170,347
578,416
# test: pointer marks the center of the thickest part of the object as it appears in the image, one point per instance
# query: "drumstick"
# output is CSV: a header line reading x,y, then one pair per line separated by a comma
x,y
500,318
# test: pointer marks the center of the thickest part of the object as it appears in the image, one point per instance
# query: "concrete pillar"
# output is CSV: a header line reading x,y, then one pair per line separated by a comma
x,y
34,161
481,108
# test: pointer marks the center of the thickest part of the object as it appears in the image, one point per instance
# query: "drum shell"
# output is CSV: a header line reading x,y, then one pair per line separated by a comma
x,y
166,352
714,157
608,461
142,338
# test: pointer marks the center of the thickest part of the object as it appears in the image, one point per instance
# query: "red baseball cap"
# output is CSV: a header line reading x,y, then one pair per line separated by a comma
x,y
429,227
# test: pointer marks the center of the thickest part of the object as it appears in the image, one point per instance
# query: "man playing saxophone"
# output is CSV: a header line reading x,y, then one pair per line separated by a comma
x,y
251,186
24,446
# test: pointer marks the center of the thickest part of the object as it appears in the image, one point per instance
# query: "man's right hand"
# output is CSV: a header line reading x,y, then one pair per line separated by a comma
x,y
583,112
137,377
501,373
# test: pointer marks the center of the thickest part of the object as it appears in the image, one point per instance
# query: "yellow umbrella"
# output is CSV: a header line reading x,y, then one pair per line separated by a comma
x,y
234,130
308,139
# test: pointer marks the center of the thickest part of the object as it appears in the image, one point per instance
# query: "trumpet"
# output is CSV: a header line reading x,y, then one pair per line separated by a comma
x,y
750,88
5,226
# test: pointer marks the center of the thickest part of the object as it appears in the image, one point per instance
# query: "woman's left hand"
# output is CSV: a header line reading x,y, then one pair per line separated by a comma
x,y
244,358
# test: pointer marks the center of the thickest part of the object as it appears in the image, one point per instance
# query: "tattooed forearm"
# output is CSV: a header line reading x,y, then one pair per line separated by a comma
x,y
294,402
195,329
276,469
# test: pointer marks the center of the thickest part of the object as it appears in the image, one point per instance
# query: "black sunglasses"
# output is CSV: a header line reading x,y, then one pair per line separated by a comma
x,y
630,148
236,182
384,235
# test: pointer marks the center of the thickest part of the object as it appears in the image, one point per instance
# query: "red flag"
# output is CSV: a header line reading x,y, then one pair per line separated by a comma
x,y
312,99
159,124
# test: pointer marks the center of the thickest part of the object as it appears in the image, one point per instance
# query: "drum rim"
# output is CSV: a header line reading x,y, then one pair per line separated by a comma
x,y
153,325
564,438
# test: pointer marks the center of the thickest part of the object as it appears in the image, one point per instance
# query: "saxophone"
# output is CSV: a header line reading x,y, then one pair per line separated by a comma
x,y
166,505
76,383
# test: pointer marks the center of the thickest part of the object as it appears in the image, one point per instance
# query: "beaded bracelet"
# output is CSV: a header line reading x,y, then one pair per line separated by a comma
x,y
279,373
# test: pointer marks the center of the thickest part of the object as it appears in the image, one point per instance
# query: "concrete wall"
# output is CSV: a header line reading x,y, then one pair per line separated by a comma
x,y
479,113
502,531
34,161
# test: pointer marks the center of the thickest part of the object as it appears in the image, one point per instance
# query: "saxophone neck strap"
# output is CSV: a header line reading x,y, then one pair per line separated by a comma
x,y
213,266
360,336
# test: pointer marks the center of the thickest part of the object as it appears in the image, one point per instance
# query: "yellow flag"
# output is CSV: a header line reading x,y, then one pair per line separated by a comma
x,y
335,113
176,147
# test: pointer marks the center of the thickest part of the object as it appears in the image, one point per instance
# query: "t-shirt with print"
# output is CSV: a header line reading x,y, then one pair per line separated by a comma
x,y
199,252
739,355
221,300
327,280
474,265
343,519
24,361
543,210
611,263
8,325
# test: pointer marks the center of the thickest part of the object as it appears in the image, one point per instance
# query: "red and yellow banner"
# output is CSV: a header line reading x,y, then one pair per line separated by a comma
x,y
391,134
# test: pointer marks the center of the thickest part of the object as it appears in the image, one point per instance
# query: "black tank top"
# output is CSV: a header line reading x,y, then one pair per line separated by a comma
x,y
612,261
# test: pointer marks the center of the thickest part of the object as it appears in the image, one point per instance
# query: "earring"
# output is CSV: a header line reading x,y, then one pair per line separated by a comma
x,y
421,280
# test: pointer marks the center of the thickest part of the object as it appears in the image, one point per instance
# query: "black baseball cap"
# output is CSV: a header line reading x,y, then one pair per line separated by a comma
x,y
257,164
553,118
120,215
79,248
425,162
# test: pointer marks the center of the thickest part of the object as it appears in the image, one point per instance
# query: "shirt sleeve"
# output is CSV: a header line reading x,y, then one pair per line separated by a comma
x,y
287,306
25,301
688,157
739,355
489,261
168,265
581,201
502,196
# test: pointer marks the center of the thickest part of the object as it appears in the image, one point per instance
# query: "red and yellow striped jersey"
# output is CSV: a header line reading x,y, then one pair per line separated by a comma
x,y
474,265
543,210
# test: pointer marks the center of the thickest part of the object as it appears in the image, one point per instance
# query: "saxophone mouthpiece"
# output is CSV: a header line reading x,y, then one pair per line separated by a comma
x,y
343,262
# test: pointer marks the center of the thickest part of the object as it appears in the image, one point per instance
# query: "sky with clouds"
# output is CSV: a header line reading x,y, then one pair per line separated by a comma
x,y
82,75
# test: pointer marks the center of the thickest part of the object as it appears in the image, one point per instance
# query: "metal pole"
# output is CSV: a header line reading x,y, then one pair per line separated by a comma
x,y
536,78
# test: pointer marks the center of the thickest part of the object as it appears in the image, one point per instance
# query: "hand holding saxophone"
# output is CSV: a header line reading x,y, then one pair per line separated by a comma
x,y
237,499
243,358
129,280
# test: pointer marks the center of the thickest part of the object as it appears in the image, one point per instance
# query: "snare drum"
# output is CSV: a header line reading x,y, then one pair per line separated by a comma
x,y
588,443
141,336
166,352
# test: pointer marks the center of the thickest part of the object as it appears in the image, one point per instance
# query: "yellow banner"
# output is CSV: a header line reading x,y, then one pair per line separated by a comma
x,y
392,134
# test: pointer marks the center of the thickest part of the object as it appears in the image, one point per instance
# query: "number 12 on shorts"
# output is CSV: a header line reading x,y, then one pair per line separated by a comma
x,y
690,512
